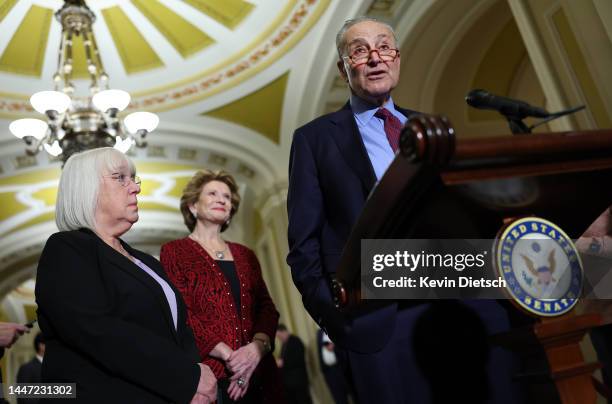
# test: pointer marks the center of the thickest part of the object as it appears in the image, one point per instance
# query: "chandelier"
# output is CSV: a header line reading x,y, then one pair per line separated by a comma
x,y
76,123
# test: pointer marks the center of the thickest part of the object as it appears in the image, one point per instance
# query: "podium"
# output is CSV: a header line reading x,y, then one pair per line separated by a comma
x,y
443,187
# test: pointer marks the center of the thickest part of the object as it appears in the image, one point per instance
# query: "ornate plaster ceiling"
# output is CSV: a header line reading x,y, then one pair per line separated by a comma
x,y
166,53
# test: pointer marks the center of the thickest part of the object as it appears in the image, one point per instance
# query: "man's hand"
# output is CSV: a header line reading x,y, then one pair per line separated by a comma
x,y
10,332
207,387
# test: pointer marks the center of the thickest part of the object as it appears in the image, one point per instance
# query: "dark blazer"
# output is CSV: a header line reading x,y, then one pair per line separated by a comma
x,y
29,372
108,327
330,177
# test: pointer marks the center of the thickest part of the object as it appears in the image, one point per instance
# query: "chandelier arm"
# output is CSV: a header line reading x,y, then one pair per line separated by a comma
x,y
59,76
91,65
102,76
67,68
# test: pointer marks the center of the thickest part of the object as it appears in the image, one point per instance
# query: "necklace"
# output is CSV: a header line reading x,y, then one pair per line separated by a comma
x,y
220,254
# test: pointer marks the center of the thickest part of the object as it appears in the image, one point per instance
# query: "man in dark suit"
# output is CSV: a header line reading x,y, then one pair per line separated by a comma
x,y
30,372
335,162
293,367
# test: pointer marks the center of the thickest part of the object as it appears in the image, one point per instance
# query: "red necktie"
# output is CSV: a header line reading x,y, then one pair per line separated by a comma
x,y
393,127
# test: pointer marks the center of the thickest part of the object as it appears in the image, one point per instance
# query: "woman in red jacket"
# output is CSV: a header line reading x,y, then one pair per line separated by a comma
x,y
229,308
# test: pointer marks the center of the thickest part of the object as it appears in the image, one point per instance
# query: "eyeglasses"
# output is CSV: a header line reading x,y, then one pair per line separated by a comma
x,y
361,54
125,180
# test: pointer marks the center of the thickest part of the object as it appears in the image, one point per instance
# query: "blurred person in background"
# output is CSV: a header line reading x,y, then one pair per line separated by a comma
x,y
293,367
332,368
30,371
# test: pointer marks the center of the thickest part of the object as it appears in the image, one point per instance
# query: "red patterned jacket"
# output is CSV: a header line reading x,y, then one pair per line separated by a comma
x,y
210,304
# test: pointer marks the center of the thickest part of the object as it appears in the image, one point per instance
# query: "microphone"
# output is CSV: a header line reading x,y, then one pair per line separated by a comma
x,y
509,107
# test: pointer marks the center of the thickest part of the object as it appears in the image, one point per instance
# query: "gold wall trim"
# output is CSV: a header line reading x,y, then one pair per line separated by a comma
x,y
260,110
10,205
135,52
185,37
25,53
579,65
228,12
5,7
46,195
31,177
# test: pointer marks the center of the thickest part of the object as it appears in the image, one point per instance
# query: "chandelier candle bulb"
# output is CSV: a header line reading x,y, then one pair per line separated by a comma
x,y
111,99
45,101
28,127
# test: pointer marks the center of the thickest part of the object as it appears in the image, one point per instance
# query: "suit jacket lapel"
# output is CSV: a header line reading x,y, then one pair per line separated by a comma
x,y
351,147
132,269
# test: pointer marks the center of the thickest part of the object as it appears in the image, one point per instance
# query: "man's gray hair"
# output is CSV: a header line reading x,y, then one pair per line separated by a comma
x,y
340,41
79,186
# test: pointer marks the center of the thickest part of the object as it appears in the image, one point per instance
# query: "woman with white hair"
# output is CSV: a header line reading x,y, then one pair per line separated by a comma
x,y
112,321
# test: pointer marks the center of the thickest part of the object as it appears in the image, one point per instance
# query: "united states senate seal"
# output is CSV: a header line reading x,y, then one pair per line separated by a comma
x,y
541,266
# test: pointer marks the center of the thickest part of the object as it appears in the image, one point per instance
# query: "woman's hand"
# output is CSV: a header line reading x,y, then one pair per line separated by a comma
x,y
221,351
242,362
236,391
207,387
245,359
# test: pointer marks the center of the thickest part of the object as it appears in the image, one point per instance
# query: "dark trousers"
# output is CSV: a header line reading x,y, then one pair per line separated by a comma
x,y
298,394
334,377
438,352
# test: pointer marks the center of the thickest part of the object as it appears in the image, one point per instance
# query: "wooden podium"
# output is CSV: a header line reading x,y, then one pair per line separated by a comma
x,y
442,187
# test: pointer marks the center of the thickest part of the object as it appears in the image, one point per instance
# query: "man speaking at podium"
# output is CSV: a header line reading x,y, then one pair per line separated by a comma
x,y
335,162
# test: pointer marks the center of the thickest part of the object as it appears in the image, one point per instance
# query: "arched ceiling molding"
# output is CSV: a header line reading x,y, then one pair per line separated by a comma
x,y
498,68
321,67
428,45
228,140
13,280
476,61
21,249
